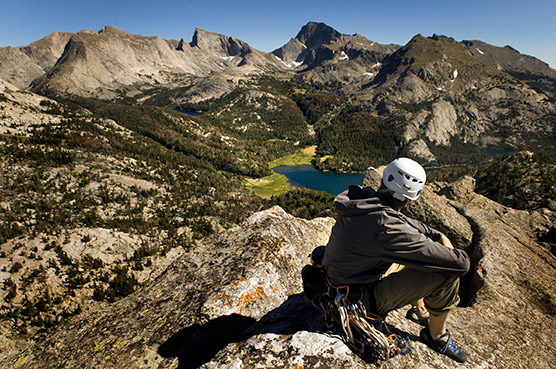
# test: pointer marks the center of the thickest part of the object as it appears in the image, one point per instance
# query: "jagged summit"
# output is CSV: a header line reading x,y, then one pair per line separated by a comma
x,y
218,44
181,45
453,81
99,64
313,35
303,48
318,52
319,45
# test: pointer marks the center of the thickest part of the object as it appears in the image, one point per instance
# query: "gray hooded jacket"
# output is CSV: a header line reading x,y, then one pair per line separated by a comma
x,y
369,236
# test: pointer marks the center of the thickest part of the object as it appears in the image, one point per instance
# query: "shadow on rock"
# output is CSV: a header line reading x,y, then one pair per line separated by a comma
x,y
198,344
294,315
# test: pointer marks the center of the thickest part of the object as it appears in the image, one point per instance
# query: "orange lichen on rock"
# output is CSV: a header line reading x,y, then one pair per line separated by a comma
x,y
246,298
242,279
227,297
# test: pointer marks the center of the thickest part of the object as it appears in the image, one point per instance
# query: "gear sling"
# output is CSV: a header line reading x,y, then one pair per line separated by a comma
x,y
343,306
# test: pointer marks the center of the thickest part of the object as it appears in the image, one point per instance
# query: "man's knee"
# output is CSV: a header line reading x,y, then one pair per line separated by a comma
x,y
445,297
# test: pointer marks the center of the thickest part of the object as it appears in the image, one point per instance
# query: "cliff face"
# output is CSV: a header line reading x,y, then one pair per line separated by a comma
x,y
322,54
21,65
235,300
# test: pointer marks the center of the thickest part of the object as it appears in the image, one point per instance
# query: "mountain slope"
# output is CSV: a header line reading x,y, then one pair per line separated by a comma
x,y
523,67
444,93
523,180
434,92
21,65
235,300
96,200
111,62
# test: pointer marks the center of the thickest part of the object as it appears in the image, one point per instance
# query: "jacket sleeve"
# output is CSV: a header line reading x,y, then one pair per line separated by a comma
x,y
400,242
430,232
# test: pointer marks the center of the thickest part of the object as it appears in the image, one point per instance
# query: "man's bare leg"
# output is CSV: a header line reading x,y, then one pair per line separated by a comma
x,y
421,305
437,325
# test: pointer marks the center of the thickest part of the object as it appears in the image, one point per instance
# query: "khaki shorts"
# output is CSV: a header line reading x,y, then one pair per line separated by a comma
x,y
401,286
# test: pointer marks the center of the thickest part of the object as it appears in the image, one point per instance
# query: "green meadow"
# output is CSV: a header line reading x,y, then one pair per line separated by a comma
x,y
277,184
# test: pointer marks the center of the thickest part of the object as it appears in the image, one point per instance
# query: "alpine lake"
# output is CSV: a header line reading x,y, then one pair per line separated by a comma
x,y
296,171
307,176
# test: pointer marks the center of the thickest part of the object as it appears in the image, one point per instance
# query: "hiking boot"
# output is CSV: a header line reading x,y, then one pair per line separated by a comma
x,y
444,345
415,315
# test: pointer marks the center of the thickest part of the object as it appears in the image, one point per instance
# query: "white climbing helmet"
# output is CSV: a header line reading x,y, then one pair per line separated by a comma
x,y
405,178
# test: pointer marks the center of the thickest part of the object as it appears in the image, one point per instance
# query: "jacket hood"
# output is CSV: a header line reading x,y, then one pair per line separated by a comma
x,y
358,200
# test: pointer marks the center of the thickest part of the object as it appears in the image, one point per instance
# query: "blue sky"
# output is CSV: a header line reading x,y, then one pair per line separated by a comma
x,y
528,26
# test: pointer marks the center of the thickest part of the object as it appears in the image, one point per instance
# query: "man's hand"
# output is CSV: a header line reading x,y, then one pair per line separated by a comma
x,y
446,242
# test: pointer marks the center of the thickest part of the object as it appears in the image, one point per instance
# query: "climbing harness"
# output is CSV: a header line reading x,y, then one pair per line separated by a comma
x,y
365,333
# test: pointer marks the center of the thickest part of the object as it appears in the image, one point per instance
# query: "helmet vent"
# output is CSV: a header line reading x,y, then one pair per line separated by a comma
x,y
390,178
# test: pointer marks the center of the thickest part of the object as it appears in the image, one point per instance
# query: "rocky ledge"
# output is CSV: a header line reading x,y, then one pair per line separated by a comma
x,y
236,300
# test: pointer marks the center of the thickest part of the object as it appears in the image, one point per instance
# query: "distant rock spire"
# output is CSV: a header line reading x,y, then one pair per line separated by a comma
x,y
180,45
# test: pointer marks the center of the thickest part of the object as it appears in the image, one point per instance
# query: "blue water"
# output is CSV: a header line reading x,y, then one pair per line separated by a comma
x,y
308,177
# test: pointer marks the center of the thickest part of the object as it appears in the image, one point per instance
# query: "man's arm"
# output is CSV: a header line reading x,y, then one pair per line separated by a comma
x,y
404,244
445,241
423,228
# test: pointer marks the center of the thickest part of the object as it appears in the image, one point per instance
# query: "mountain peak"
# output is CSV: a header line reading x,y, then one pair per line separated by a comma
x,y
424,50
200,35
111,30
316,34
218,44
434,60
418,37
303,48
318,43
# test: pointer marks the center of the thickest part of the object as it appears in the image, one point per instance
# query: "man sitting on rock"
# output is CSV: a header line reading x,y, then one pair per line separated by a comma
x,y
398,259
